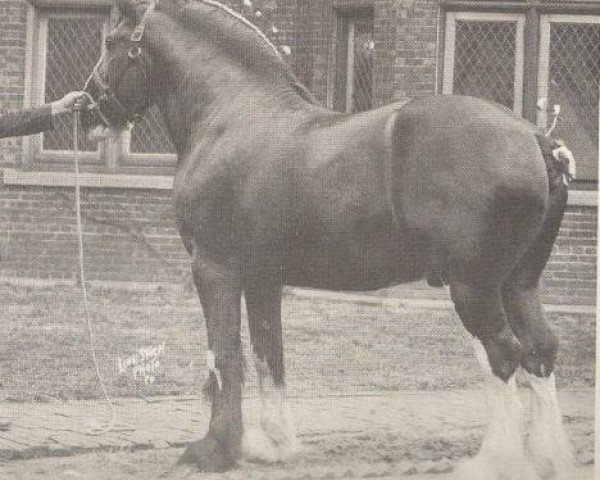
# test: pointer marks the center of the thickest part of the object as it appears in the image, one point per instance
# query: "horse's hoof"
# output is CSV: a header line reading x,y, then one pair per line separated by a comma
x,y
207,455
179,472
556,468
258,447
486,467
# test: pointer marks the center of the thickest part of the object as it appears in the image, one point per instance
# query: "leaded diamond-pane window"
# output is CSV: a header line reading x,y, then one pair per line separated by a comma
x,y
573,82
484,62
484,57
150,135
73,48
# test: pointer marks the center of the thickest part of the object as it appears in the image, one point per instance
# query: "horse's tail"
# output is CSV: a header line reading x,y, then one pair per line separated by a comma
x,y
530,267
521,295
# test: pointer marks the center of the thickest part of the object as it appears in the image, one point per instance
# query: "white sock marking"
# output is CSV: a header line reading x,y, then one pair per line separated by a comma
x,y
502,453
548,443
275,438
212,368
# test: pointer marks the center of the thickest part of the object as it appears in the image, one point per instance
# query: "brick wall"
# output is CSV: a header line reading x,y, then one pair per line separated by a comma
x,y
130,234
405,35
571,272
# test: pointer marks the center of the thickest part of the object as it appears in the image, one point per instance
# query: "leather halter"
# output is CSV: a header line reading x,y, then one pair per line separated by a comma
x,y
103,101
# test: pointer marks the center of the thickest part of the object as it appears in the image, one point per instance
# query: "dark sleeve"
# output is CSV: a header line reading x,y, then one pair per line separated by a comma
x,y
26,122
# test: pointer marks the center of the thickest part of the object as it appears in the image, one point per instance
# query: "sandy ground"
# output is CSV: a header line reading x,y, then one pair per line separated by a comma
x,y
151,465
390,436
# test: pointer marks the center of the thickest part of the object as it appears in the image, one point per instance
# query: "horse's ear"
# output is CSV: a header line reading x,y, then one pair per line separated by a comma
x,y
137,8
133,8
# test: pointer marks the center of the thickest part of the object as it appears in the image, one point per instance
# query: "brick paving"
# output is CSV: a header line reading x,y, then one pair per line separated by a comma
x,y
57,429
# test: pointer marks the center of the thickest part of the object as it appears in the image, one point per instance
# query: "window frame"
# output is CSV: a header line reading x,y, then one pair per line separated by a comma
x,y
448,69
113,156
129,159
37,45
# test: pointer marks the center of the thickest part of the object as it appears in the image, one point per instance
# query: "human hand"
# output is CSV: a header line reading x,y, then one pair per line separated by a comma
x,y
69,103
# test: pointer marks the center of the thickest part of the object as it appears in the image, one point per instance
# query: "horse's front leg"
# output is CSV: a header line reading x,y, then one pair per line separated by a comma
x,y
274,439
219,287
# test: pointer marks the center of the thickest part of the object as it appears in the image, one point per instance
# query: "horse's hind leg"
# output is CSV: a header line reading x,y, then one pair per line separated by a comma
x,y
548,443
502,454
219,288
274,439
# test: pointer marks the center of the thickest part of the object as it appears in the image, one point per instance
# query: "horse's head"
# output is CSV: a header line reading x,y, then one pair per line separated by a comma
x,y
119,87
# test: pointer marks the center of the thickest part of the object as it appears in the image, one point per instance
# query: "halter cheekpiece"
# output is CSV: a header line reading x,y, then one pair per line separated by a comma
x,y
103,101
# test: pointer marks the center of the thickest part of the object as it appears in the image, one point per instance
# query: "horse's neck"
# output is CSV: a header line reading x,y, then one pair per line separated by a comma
x,y
198,90
205,106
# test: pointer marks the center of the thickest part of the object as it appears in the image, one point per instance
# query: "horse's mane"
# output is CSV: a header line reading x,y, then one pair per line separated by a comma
x,y
243,38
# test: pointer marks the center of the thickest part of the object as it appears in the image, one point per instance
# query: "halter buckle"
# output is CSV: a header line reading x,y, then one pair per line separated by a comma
x,y
134,52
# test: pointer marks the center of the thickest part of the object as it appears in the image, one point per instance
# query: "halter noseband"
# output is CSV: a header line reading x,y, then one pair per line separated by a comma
x,y
102,100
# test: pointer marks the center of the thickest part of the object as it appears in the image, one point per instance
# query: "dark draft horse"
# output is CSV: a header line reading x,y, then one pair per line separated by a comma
x,y
271,190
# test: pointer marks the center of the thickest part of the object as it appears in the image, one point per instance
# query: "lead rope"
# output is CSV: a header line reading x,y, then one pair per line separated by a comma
x,y
88,316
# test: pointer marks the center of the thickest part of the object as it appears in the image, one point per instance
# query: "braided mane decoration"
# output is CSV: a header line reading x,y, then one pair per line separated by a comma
x,y
298,87
245,21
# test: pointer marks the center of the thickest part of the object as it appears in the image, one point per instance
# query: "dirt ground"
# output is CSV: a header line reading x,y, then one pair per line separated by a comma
x,y
332,349
151,465
425,444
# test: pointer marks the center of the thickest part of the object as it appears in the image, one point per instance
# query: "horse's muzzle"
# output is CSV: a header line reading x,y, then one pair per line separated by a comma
x,y
104,108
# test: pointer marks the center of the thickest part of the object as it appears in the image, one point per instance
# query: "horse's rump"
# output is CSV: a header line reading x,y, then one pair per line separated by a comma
x,y
468,178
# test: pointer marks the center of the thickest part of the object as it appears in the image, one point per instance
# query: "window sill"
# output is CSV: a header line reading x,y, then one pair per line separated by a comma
x,y
71,3
13,176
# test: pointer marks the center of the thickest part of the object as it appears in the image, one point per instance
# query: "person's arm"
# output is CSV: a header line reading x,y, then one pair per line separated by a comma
x,y
40,119
26,122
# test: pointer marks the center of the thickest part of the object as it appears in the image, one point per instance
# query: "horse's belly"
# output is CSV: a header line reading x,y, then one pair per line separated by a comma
x,y
344,264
